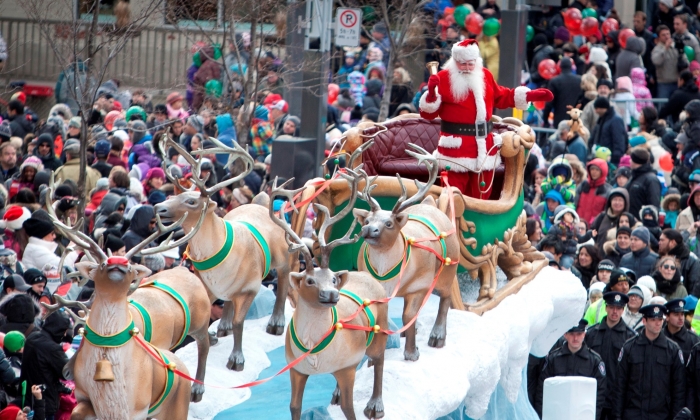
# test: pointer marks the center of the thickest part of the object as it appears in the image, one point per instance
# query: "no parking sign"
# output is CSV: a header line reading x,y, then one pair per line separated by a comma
x,y
348,24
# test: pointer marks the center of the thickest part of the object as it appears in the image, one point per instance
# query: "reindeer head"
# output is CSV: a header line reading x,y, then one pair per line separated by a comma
x,y
318,287
574,113
195,201
380,228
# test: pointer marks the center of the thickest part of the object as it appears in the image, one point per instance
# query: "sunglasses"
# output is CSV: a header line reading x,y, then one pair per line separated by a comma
x,y
669,267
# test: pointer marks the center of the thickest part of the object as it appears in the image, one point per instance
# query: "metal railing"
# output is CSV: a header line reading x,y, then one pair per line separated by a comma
x,y
153,58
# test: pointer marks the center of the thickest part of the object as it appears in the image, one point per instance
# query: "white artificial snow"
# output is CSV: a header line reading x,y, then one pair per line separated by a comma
x,y
480,353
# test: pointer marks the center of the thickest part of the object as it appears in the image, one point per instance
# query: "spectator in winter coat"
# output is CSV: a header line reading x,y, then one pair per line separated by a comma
x,y
624,100
41,247
639,88
592,194
25,178
649,216
641,260
143,223
589,118
630,57
611,41
20,312
44,359
226,133
665,57
545,211
20,123
542,51
644,187
686,92
559,178
209,70
44,150
667,276
689,219
615,250
671,205
671,243
102,148
566,88
609,131
71,169
617,203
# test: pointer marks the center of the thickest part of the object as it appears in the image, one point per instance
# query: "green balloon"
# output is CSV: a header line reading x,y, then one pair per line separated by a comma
x,y
588,12
197,59
689,52
491,26
213,88
529,33
460,14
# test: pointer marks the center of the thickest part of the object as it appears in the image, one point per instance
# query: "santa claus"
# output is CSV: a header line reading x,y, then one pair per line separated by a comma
x,y
464,95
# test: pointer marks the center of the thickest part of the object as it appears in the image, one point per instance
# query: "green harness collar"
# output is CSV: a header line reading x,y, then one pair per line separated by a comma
x,y
169,381
147,322
327,341
221,255
116,340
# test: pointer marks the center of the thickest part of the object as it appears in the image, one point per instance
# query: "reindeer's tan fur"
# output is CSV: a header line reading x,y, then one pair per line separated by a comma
x,y
575,124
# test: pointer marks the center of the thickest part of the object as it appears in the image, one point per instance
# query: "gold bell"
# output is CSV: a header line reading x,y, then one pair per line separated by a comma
x,y
338,326
103,371
366,302
376,328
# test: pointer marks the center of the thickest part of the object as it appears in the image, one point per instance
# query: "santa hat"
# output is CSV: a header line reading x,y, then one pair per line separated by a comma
x,y
14,217
466,50
19,96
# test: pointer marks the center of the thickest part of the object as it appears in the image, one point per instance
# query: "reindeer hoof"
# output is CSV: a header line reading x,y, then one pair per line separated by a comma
x,y
437,342
275,329
223,332
411,356
335,399
235,363
375,409
370,363
197,392
213,339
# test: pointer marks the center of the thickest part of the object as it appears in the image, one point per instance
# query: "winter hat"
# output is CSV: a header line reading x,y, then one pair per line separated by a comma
x,y
72,146
598,286
623,229
560,211
173,97
99,132
9,413
604,82
62,190
121,135
636,290
261,113
624,161
5,131
75,122
602,152
371,114
466,50
14,217
637,140
616,276
155,173
642,233
602,103
14,341
623,171
135,112
648,210
625,83
280,105
598,55
31,162
606,265
102,148
694,65
102,184
113,243
34,276
667,3
156,197
565,63
37,228
562,34
640,156
67,203
197,122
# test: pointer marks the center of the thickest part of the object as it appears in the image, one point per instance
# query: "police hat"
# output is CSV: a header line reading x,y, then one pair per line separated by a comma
x,y
675,305
581,327
616,299
653,311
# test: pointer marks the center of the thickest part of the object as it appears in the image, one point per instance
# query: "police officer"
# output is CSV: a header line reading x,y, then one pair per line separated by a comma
x,y
693,383
675,327
651,373
607,338
574,358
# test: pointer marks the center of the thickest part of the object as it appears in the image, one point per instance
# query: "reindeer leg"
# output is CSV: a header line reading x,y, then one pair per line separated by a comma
x,y
83,411
346,382
276,324
410,351
439,332
375,405
225,325
335,399
241,304
298,383
202,339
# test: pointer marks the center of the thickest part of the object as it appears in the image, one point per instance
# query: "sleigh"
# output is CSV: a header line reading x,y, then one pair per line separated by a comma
x,y
491,231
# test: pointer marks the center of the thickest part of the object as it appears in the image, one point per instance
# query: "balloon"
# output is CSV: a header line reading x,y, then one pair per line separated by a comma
x,y
588,12
624,35
589,26
461,12
213,88
572,19
333,91
474,22
547,69
689,52
609,24
448,11
666,162
529,33
491,26
539,105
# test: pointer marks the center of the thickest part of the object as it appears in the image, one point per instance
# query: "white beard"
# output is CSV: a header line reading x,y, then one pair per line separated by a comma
x,y
461,83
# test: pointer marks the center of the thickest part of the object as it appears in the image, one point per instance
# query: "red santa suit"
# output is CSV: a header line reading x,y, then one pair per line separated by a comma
x,y
464,101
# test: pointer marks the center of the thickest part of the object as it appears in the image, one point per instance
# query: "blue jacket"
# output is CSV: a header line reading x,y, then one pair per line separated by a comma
x,y
227,135
610,132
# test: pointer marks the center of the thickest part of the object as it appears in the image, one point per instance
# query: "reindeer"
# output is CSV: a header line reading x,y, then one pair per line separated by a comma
x,y
575,124
388,235
323,298
115,378
234,253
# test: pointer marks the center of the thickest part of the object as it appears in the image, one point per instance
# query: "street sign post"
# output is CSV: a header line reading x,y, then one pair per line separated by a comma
x,y
348,24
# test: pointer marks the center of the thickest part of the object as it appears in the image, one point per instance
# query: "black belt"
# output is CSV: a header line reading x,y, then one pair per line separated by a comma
x,y
476,130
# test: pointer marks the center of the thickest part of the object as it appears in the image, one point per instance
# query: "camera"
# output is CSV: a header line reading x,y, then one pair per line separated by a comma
x,y
679,41
42,387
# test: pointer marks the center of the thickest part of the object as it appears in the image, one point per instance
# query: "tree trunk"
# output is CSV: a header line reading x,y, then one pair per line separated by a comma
x,y
386,99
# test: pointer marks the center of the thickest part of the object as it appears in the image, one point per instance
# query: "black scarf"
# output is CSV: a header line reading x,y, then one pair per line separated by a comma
x,y
665,286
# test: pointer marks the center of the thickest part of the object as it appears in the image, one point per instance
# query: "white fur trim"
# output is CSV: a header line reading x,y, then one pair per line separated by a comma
x,y
519,97
481,150
450,142
497,139
467,164
462,54
429,107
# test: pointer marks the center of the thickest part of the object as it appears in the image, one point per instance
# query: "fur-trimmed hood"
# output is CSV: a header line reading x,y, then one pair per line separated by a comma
x,y
560,211
668,199
646,208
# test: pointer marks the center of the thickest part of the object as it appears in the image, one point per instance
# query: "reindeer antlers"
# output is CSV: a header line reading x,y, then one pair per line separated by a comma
x,y
430,162
63,303
293,240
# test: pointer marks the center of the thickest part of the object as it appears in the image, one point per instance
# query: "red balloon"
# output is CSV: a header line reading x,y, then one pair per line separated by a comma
x,y
333,91
624,35
539,105
547,69
589,26
609,24
474,23
666,162
572,20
